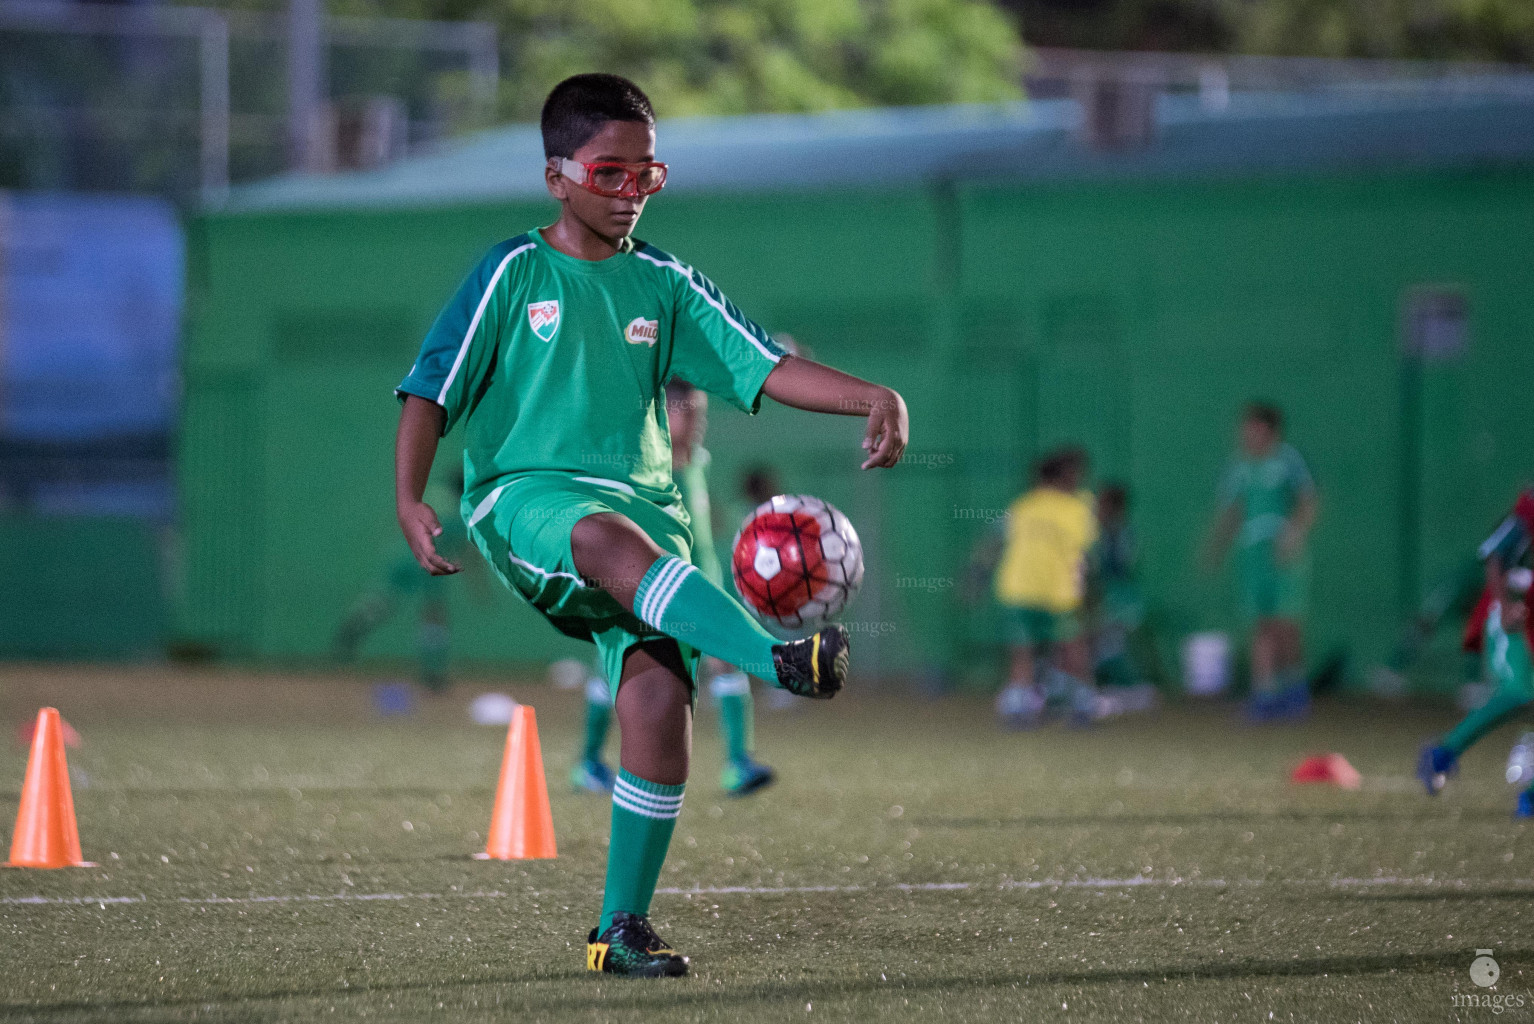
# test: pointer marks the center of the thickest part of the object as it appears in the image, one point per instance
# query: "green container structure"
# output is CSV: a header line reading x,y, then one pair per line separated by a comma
x,y
1366,262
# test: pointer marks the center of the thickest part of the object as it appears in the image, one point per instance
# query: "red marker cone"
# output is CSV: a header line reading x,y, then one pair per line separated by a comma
x,y
521,826
46,834
1328,768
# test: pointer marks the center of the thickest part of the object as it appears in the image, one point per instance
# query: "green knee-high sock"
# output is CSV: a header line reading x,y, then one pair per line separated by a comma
x,y
644,816
599,713
677,599
1504,704
733,691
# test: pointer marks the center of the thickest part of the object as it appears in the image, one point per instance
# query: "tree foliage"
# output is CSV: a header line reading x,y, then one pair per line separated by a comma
x,y
738,56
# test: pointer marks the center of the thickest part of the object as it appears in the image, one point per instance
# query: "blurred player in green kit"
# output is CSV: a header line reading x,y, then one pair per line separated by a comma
x,y
1506,656
404,584
1267,508
687,414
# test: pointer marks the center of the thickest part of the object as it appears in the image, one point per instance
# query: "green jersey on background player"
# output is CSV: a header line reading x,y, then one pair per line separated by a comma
x,y
1267,504
687,417
553,357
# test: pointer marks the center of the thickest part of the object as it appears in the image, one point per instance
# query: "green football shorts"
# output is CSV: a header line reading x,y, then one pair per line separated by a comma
x,y
524,533
1031,626
1270,588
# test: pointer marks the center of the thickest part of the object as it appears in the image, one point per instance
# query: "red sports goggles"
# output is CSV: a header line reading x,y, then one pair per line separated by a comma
x,y
616,180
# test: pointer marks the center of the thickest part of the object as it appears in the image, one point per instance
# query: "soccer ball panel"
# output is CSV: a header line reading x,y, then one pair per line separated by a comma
x,y
766,563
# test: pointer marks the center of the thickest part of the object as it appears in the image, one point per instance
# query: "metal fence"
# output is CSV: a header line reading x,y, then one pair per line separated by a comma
x,y
182,101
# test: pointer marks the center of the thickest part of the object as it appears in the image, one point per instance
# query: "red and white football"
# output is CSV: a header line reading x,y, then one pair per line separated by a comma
x,y
797,561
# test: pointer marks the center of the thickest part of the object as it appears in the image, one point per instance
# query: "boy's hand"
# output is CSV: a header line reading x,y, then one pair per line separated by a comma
x,y
805,384
888,427
420,527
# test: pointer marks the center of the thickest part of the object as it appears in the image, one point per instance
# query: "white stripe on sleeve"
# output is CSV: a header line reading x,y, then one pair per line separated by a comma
x,y
479,314
763,349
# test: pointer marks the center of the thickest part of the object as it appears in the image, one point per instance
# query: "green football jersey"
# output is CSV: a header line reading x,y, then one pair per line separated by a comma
x,y
1266,490
557,365
692,481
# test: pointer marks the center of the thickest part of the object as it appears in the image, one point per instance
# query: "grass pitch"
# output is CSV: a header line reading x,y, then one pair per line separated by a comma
x,y
272,850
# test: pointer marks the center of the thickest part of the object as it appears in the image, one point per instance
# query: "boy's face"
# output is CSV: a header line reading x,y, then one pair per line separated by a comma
x,y
1257,437
612,217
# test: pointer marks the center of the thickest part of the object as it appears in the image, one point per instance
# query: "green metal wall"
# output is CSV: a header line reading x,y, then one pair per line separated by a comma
x,y
1133,317
79,587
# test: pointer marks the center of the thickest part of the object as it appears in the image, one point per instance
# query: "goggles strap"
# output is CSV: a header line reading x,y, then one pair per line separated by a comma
x,y
576,172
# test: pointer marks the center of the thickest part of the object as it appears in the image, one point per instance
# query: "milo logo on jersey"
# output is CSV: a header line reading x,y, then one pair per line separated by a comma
x,y
543,318
642,332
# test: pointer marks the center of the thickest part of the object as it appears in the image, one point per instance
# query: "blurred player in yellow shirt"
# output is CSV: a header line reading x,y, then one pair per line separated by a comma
x,y
1040,584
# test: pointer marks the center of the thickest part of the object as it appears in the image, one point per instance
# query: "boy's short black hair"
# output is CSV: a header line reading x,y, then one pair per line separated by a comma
x,y
1113,495
1054,467
1266,413
578,107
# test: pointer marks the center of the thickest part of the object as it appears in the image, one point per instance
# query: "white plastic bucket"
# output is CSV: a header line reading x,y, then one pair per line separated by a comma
x,y
1206,664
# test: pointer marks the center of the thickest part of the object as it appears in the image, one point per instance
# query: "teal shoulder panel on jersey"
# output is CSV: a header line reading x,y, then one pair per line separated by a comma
x,y
714,345
460,345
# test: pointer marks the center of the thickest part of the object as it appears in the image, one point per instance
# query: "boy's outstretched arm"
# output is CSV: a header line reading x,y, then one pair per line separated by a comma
x,y
806,384
415,446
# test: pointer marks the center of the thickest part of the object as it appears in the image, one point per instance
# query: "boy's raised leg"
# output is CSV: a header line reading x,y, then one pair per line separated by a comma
x,y
672,596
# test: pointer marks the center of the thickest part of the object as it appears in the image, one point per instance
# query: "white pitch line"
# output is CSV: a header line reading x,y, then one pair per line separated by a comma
x,y
1134,882
57,901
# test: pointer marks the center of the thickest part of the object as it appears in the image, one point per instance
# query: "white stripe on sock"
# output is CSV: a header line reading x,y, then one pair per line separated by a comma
x,y
672,566
663,600
644,812
660,800
654,802
641,609
733,684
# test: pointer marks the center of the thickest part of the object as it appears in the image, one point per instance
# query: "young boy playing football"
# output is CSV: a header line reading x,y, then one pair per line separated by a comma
x,y
554,355
1506,656
1465,592
1267,507
687,418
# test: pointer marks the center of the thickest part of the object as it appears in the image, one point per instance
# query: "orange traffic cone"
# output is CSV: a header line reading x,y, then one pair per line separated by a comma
x,y
46,834
521,827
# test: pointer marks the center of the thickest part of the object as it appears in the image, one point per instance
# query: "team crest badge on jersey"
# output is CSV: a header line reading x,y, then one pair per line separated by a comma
x,y
642,332
543,317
